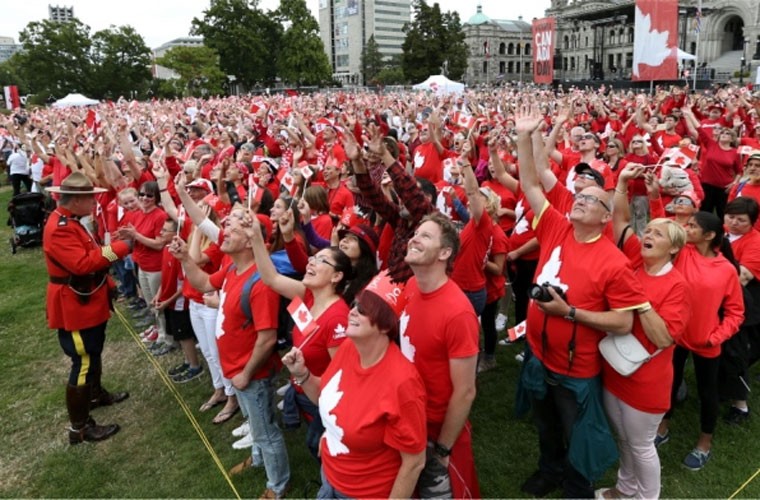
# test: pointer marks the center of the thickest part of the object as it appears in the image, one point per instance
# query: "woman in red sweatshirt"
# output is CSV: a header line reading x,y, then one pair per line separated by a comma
x,y
707,264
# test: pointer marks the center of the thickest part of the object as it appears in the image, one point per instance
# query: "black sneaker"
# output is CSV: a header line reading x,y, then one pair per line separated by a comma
x,y
539,485
188,375
176,370
735,416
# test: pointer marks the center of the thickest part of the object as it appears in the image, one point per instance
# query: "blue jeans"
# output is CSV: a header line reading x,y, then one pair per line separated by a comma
x,y
477,299
294,403
258,402
128,286
327,490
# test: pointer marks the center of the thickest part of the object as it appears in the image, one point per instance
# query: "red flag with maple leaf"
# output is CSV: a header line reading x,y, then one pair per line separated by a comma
x,y
655,41
302,317
517,331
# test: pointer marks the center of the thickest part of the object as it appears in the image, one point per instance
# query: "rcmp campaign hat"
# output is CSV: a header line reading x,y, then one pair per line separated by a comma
x,y
76,183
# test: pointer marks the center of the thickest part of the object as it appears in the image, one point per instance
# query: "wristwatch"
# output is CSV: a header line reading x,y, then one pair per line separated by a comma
x,y
441,450
571,314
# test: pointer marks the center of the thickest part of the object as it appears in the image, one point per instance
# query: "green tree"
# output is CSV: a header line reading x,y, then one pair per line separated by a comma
x,y
302,59
198,69
434,40
372,61
122,62
245,38
11,73
56,57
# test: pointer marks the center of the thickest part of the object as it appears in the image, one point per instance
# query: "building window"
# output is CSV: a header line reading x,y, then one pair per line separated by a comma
x,y
502,67
630,35
567,42
510,67
572,64
502,48
527,49
586,41
527,67
511,49
485,67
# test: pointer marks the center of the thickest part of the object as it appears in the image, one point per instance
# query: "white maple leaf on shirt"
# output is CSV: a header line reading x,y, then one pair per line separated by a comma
x,y
407,348
650,46
570,180
419,160
550,272
522,224
220,313
442,206
340,331
328,400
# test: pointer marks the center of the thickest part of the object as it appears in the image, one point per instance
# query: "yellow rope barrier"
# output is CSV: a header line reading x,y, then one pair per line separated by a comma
x,y
180,400
745,484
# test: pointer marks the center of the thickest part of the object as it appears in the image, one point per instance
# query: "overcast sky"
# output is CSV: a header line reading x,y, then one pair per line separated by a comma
x,y
159,21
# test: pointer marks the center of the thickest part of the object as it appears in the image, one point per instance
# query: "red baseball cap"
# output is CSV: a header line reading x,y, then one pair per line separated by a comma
x,y
364,233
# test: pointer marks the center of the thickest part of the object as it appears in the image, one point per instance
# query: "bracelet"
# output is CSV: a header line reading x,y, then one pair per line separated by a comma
x,y
645,309
303,380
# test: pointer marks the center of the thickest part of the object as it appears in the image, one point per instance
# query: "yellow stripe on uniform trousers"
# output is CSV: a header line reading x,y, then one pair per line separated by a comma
x,y
79,346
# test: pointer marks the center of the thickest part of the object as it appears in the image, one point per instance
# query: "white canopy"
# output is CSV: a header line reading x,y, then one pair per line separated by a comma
x,y
440,85
74,100
685,56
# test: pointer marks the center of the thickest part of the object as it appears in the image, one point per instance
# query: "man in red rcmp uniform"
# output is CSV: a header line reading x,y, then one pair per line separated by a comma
x,y
78,303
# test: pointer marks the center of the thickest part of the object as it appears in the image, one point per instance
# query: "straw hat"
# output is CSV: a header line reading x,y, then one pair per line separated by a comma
x,y
76,183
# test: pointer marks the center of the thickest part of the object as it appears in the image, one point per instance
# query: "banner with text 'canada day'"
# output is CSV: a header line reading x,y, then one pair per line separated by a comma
x,y
544,37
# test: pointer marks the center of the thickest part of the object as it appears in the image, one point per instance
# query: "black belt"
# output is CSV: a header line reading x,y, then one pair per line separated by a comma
x,y
58,280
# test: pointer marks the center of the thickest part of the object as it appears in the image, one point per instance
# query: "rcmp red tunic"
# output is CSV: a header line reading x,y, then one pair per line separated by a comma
x,y
70,250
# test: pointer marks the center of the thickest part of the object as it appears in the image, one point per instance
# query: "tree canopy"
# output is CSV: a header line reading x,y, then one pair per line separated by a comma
x,y
302,58
122,62
198,69
372,61
432,39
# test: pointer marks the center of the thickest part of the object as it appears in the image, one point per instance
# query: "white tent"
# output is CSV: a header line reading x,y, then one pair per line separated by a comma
x,y
685,56
74,100
440,85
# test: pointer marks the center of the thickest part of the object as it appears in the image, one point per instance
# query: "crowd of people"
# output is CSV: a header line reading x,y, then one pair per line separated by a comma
x,y
363,241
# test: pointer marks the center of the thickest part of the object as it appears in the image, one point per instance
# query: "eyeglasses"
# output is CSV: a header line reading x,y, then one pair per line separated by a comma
x,y
322,260
145,195
612,146
683,201
587,137
358,306
637,140
590,198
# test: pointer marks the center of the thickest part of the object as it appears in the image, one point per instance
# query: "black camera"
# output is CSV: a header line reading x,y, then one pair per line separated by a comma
x,y
541,292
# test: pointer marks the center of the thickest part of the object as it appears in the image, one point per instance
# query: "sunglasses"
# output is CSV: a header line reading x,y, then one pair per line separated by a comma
x,y
587,176
358,305
145,195
612,146
683,201
590,198
587,137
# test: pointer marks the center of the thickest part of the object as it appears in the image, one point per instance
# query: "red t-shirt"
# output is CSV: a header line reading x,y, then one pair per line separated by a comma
x,y
523,230
323,225
149,225
747,251
508,201
469,266
235,338
495,283
748,190
172,279
370,416
719,166
339,198
331,333
648,388
713,284
595,276
435,328
427,163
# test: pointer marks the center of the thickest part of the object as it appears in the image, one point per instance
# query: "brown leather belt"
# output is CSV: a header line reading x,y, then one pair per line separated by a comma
x,y
58,280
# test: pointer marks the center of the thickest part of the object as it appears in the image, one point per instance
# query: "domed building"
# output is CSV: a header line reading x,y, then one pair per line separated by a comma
x,y
499,50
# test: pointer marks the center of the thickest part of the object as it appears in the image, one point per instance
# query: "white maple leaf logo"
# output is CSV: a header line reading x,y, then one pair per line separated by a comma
x,y
340,332
419,160
407,348
328,400
570,180
550,271
650,46
522,224
220,313
442,206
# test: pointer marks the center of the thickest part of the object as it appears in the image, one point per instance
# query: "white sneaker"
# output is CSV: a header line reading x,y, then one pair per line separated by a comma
x,y
520,357
501,321
282,390
281,405
244,442
243,430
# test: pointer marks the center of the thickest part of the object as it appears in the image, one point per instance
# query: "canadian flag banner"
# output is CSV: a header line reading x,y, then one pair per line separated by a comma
x,y
544,36
517,331
12,100
92,120
675,156
744,150
305,170
302,318
655,40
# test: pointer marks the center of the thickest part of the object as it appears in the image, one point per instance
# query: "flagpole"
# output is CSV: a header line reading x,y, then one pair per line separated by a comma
x,y
696,50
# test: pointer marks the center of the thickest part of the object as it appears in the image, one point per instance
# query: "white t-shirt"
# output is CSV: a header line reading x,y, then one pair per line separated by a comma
x,y
18,163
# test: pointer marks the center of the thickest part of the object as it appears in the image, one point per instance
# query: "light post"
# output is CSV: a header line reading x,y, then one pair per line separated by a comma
x,y
521,49
741,71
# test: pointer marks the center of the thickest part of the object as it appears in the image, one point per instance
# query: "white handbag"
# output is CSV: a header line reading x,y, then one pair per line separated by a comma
x,y
625,353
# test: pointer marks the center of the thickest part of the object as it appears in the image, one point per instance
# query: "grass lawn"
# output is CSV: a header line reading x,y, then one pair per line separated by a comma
x,y
159,453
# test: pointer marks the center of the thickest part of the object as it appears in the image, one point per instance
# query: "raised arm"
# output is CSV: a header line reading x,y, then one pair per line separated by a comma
x,y
526,121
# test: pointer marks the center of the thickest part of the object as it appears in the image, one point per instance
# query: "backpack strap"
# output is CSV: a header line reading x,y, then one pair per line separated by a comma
x,y
245,298
621,241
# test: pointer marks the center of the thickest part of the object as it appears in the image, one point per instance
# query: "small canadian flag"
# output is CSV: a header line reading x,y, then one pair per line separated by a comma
x,y
306,172
288,183
302,317
516,332
463,120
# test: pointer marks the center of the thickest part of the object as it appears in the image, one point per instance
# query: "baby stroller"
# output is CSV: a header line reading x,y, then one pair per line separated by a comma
x,y
27,218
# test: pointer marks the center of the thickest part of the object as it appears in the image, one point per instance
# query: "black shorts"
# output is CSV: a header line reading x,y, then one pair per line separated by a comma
x,y
178,325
